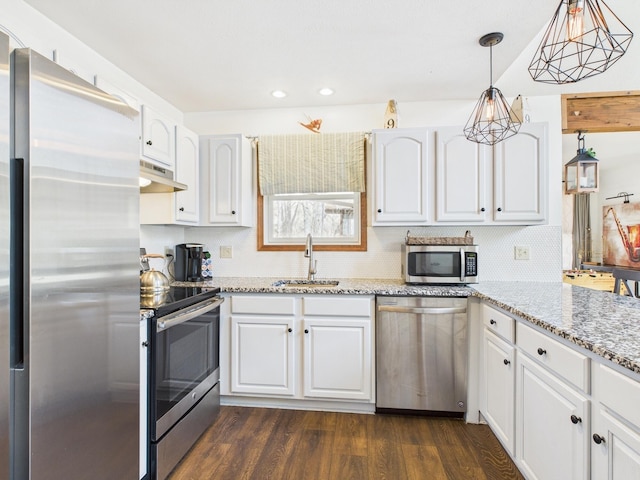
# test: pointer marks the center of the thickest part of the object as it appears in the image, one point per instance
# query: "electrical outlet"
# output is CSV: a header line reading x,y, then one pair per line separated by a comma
x,y
226,252
168,252
521,252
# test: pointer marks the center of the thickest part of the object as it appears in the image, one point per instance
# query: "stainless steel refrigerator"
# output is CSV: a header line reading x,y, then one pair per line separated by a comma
x,y
74,276
4,257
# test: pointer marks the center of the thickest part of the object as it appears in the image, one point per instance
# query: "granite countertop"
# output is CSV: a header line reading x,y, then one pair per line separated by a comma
x,y
602,322
346,286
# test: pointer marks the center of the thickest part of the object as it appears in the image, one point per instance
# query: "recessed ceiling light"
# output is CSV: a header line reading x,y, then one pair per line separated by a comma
x,y
279,93
325,91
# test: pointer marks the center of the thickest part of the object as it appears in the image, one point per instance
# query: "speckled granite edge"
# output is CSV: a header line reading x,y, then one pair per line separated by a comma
x,y
344,287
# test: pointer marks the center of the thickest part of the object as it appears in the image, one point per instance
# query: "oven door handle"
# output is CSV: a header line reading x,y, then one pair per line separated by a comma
x,y
182,316
422,310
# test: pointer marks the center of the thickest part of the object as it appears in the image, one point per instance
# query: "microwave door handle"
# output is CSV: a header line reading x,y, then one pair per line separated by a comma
x,y
180,316
463,270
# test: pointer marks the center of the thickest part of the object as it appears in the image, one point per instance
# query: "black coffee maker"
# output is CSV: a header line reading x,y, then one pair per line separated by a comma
x,y
188,262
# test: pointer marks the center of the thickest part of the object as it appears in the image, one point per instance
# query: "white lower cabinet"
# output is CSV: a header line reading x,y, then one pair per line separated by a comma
x,y
337,354
552,426
615,439
535,397
262,352
300,347
499,396
615,450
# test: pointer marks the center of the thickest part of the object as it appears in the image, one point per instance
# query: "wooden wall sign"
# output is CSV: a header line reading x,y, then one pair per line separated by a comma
x,y
601,112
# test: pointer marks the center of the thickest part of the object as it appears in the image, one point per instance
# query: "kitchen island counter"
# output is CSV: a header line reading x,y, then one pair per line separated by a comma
x,y
604,323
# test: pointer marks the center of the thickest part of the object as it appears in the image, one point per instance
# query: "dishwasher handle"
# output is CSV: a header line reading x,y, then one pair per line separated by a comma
x,y
422,310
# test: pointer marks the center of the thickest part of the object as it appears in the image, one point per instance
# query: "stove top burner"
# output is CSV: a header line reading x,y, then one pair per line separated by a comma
x,y
176,298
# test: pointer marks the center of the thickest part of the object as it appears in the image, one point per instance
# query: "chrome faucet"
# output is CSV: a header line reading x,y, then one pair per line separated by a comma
x,y
313,264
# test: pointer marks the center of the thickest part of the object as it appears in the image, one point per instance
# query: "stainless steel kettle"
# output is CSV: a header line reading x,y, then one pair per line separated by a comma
x,y
153,282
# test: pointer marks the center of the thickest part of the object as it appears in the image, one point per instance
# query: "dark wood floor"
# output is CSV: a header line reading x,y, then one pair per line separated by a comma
x,y
260,443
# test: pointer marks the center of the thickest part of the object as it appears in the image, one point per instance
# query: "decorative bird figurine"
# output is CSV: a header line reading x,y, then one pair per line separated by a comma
x,y
313,125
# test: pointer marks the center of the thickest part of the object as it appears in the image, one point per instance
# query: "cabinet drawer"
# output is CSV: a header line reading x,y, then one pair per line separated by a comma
x,y
337,306
618,392
562,359
498,322
263,305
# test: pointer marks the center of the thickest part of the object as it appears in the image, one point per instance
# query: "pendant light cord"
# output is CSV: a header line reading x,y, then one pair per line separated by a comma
x,y
491,66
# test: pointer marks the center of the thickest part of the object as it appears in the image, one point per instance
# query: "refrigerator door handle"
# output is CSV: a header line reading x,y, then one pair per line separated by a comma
x,y
17,302
182,316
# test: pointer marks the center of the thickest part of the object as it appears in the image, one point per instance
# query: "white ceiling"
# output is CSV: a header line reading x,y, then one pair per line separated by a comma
x,y
203,55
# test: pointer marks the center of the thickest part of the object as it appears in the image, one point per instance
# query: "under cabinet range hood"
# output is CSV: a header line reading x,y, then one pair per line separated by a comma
x,y
154,179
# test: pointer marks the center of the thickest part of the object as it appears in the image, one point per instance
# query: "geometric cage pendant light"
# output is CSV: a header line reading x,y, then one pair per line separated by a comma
x,y
492,120
583,39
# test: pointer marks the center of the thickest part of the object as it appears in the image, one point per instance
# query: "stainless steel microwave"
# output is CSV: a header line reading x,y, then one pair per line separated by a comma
x,y
440,264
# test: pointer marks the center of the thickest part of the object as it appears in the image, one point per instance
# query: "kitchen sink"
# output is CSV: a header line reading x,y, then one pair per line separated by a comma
x,y
306,283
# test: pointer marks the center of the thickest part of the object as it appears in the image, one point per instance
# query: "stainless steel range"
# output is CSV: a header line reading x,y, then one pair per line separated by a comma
x,y
183,373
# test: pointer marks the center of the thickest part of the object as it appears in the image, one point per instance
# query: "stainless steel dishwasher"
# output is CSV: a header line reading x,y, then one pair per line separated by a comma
x,y
421,355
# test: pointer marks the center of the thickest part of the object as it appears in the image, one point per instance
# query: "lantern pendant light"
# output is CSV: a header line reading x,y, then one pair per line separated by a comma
x,y
584,38
492,119
581,173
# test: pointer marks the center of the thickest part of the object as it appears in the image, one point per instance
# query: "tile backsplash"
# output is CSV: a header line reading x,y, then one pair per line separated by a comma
x,y
381,260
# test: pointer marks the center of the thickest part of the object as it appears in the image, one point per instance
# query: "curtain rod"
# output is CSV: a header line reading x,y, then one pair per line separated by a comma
x,y
257,137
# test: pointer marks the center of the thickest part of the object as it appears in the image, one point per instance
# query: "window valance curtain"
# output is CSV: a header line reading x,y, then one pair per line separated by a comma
x,y
325,162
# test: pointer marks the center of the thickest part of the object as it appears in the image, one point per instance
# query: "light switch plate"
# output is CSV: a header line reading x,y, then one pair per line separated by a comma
x,y
226,252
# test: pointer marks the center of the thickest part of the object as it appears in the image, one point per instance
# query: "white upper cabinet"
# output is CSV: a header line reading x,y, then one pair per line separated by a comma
x,y
400,165
226,180
158,138
503,184
187,171
180,208
461,177
520,176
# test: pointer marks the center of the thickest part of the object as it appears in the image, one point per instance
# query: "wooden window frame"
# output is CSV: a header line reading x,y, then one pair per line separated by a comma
x,y
360,247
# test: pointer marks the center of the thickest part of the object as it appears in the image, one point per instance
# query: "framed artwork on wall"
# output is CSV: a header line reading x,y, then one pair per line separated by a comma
x,y
621,235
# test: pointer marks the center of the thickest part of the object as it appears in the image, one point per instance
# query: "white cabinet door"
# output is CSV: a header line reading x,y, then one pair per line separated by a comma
x,y
615,449
461,177
337,358
262,355
552,426
520,176
158,138
187,172
227,192
400,176
499,388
